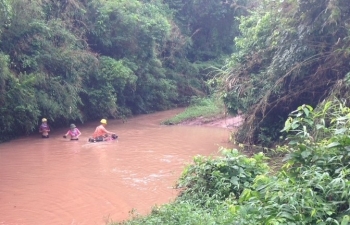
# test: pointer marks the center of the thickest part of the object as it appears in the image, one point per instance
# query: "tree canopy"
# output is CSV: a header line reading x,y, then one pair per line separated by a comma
x,y
81,60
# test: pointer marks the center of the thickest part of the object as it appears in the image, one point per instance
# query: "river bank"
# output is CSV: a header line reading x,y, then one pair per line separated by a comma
x,y
231,122
107,180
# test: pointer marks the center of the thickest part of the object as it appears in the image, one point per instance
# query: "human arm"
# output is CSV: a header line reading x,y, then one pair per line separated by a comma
x,y
65,136
110,132
78,131
107,132
101,131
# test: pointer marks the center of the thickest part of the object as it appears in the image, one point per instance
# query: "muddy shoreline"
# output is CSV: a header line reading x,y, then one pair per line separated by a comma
x,y
227,121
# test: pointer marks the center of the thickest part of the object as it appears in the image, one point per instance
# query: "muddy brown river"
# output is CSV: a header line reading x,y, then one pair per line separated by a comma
x,y
61,182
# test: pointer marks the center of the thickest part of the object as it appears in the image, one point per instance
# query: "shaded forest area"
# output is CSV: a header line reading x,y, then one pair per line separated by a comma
x,y
289,53
79,60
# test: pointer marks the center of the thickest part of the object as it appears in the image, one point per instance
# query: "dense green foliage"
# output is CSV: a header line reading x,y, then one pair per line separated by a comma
x,y
78,60
290,53
210,181
211,24
81,60
5,14
313,186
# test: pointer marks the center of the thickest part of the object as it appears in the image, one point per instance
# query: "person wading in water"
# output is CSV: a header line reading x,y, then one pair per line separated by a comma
x,y
73,132
44,128
102,134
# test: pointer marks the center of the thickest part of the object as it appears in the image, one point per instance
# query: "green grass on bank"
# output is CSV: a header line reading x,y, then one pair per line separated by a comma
x,y
203,107
181,213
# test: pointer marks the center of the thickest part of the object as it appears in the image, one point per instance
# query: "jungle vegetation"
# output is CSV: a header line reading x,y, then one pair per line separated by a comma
x,y
79,60
312,187
289,74
288,53
284,64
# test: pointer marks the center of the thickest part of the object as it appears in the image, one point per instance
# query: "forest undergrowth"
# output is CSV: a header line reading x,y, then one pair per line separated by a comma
x,y
312,186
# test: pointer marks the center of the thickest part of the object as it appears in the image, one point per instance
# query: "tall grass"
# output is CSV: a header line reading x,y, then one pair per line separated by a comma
x,y
205,108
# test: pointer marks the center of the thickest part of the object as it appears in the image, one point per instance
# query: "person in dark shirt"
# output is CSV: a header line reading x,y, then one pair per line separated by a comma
x,y
44,128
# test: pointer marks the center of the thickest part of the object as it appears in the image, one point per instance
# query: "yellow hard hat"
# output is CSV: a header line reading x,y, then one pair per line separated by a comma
x,y
44,120
104,121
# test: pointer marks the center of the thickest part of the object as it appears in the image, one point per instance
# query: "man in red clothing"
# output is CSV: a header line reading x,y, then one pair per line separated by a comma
x,y
102,134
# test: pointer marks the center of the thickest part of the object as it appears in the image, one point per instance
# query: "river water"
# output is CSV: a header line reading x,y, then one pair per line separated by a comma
x,y
61,182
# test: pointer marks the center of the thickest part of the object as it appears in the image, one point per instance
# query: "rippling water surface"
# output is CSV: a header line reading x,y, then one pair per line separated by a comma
x,y
60,182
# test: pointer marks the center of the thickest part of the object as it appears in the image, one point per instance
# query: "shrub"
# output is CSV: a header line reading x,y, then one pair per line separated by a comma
x,y
210,181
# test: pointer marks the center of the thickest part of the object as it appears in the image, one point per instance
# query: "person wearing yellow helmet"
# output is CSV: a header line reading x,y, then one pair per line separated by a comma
x,y
44,128
101,133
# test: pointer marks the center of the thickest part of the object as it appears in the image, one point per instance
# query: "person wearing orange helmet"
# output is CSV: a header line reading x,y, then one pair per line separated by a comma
x,y
101,133
44,128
